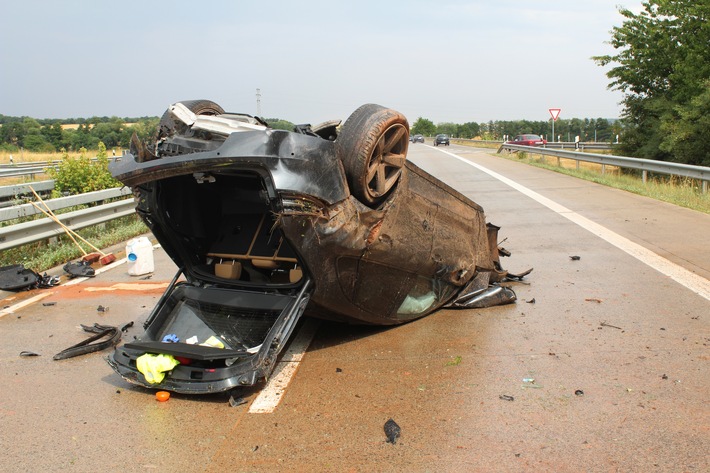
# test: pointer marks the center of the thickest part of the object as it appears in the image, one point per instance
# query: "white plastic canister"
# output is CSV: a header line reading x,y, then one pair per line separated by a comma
x,y
139,256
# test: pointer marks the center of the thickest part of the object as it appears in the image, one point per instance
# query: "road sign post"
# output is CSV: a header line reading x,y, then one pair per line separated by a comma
x,y
555,112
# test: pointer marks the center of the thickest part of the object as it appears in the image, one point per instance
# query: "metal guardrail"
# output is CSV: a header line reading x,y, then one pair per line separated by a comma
x,y
701,173
41,229
557,144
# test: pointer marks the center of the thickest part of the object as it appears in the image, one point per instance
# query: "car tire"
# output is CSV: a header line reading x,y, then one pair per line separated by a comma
x,y
169,125
372,145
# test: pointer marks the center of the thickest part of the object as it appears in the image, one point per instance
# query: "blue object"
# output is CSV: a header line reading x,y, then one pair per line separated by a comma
x,y
171,338
132,257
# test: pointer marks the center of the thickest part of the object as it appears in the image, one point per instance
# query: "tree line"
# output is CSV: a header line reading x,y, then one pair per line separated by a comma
x,y
599,129
48,135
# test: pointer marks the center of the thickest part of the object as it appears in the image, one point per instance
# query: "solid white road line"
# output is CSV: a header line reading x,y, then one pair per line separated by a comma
x,y
692,281
273,392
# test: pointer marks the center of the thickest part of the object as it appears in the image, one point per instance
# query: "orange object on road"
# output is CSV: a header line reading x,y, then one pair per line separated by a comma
x,y
162,396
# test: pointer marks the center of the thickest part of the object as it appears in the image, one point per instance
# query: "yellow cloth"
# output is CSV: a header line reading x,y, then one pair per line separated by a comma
x,y
154,367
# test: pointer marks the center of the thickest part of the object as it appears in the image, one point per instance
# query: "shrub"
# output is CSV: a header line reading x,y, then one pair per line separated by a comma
x,y
82,174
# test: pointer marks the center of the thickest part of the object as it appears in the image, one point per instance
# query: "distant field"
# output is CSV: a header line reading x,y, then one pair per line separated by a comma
x,y
31,157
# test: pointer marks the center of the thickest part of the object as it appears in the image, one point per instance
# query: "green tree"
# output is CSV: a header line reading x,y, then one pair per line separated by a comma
x,y
423,126
662,66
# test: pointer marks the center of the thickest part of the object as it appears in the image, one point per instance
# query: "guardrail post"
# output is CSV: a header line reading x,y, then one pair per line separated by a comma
x,y
705,187
558,162
577,164
603,169
644,176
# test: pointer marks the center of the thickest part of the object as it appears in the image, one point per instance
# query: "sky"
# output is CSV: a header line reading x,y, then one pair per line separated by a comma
x,y
445,60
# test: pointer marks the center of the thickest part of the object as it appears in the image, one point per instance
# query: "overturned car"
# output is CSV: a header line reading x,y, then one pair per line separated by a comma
x,y
265,224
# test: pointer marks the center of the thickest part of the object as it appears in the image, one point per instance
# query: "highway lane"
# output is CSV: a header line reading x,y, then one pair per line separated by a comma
x,y
633,340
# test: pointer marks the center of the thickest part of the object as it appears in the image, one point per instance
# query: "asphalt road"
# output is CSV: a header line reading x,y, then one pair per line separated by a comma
x,y
601,365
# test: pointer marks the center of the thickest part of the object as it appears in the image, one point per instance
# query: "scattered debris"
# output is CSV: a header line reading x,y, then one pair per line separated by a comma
x,y
101,308
125,327
392,431
28,353
145,278
575,258
79,269
593,299
579,392
236,401
531,301
604,324
112,336
338,370
48,304
665,376
505,397
16,277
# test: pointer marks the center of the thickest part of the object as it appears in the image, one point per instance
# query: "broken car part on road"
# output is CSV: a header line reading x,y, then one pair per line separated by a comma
x,y
266,224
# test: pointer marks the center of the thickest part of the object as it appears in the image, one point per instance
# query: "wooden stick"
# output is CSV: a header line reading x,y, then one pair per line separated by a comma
x,y
51,215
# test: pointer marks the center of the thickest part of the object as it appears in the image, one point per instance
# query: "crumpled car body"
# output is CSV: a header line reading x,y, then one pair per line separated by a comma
x,y
268,224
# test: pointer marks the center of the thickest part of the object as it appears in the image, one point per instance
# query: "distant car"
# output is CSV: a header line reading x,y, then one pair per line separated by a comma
x,y
417,139
267,224
529,140
441,140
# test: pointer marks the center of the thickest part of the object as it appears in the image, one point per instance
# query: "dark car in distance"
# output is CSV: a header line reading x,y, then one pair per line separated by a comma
x,y
441,139
416,139
266,225
528,140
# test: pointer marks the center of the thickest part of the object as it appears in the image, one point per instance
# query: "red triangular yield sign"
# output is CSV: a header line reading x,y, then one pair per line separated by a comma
x,y
555,112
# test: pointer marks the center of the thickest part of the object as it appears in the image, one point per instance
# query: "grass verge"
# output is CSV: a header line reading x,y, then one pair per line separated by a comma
x,y
675,190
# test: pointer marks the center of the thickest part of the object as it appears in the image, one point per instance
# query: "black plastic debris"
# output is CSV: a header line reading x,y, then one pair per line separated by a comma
x,y
236,401
16,277
505,397
79,269
575,258
531,301
28,353
48,304
338,370
111,336
392,431
101,308
579,392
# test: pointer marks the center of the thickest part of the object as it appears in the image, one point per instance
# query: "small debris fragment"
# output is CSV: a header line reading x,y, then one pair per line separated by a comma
x,y
454,362
146,277
162,396
236,401
593,299
531,301
125,327
579,392
575,258
604,324
505,397
665,376
118,391
28,353
101,308
255,448
47,304
392,431
338,370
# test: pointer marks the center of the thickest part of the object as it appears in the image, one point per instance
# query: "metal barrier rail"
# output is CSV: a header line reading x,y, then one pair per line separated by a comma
x,y
557,144
701,173
41,229
9,192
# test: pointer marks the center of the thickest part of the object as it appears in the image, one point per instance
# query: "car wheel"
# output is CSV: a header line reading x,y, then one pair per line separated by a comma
x,y
169,125
373,145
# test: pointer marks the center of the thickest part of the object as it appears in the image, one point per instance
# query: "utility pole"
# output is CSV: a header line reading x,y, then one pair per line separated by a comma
x,y
258,102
